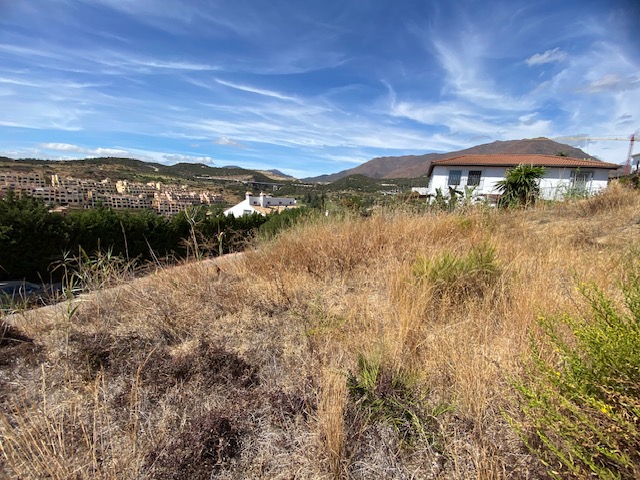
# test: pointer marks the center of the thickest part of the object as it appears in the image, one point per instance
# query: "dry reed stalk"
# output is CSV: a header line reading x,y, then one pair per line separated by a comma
x,y
331,410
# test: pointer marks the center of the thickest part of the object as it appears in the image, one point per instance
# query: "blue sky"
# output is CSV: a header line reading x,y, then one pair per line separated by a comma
x,y
312,87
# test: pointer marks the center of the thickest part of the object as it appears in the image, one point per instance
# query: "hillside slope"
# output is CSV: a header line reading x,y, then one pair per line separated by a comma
x,y
336,350
132,169
410,166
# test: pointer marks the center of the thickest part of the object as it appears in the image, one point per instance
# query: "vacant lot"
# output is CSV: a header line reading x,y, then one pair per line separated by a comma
x,y
379,347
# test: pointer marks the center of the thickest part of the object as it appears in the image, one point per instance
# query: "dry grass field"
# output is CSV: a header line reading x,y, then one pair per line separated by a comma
x,y
378,347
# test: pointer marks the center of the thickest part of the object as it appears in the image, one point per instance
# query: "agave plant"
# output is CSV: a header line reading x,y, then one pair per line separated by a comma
x,y
521,185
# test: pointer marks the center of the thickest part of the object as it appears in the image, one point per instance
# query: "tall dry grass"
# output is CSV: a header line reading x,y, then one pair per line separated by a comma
x,y
240,369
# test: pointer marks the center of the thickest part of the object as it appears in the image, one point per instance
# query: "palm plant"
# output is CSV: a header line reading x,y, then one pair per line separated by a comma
x,y
521,185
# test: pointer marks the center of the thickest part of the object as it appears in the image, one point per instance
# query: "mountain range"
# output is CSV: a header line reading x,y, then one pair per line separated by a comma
x,y
410,166
138,170
407,166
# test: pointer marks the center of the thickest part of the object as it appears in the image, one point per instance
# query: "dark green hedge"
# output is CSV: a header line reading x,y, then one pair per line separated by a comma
x,y
32,239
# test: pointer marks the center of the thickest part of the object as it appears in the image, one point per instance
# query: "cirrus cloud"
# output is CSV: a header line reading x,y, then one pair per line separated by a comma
x,y
228,142
99,152
614,82
550,56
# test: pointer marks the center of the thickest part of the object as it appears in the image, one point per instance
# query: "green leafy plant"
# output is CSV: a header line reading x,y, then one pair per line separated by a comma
x,y
84,272
582,407
468,195
387,394
453,200
440,201
520,185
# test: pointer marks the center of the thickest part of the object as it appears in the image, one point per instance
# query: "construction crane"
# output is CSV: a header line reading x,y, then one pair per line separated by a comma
x,y
631,140
627,167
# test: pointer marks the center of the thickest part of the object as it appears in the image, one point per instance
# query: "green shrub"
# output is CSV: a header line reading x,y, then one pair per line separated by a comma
x,y
458,277
582,410
277,222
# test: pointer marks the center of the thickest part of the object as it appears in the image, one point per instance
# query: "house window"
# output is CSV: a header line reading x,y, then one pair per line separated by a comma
x,y
454,177
473,180
581,181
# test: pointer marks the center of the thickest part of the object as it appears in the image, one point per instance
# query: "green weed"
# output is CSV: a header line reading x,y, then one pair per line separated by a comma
x,y
389,395
458,277
582,407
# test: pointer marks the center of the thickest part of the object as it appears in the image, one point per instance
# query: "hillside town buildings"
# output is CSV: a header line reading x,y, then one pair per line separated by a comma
x,y
83,193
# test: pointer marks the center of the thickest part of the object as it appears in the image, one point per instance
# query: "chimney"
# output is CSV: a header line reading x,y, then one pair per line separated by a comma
x,y
248,197
262,196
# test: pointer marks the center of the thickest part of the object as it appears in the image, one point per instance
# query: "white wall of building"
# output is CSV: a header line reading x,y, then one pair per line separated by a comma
x,y
557,181
264,200
240,209
246,207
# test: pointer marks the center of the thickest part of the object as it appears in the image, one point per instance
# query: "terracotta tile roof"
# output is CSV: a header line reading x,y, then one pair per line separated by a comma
x,y
512,160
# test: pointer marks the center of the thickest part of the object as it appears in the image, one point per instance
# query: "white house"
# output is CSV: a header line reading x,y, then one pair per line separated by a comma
x,y
562,175
262,204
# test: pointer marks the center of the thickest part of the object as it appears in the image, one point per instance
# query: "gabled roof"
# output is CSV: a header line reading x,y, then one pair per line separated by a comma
x,y
512,160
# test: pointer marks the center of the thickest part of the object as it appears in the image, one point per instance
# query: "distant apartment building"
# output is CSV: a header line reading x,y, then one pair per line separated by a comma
x,y
125,187
72,197
166,203
22,183
209,198
170,203
20,180
86,193
48,195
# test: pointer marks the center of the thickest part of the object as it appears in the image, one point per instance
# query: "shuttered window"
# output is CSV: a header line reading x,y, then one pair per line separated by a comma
x,y
473,180
454,177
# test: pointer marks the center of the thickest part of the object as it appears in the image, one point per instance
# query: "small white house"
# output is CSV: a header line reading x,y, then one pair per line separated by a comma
x,y
562,175
262,204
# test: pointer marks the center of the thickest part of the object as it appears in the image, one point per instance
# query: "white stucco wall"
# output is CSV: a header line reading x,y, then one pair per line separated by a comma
x,y
242,208
246,206
268,201
555,184
490,176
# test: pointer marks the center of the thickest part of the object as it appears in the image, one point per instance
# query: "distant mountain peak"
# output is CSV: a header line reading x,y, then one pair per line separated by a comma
x,y
411,166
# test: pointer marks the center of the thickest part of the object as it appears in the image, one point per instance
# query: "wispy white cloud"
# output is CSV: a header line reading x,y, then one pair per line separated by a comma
x,y
301,86
63,147
228,142
258,91
51,84
467,75
614,82
550,56
98,152
579,140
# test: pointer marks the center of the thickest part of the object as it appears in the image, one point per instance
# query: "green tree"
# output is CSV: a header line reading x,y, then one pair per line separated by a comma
x,y
30,238
521,185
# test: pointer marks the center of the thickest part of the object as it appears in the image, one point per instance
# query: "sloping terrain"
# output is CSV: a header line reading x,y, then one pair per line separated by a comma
x,y
135,170
336,350
416,165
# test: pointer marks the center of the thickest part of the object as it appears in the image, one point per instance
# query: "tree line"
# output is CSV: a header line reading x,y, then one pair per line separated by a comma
x,y
33,240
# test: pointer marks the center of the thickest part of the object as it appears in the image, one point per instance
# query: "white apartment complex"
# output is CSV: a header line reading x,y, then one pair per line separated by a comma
x,y
84,193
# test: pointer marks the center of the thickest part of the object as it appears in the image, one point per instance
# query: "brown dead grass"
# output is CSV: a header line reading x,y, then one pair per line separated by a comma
x,y
239,370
